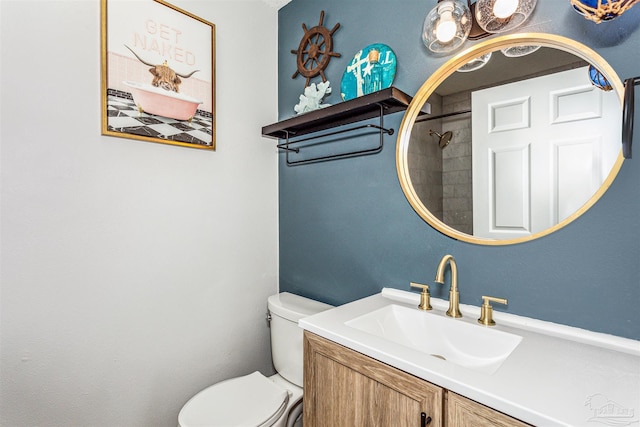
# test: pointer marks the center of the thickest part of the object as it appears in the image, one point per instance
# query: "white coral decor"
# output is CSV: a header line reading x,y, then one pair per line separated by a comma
x,y
312,97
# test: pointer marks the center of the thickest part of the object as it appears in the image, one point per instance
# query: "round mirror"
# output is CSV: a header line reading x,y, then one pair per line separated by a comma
x,y
531,142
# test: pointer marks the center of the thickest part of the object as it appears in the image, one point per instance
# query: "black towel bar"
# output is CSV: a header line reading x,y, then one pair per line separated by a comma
x,y
628,111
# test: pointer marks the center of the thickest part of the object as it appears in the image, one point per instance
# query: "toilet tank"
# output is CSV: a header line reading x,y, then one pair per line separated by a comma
x,y
286,336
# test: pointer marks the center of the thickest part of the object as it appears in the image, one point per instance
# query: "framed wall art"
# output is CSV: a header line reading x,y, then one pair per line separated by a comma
x,y
158,74
371,69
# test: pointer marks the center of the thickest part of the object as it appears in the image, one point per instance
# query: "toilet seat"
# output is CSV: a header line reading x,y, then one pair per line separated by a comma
x,y
249,401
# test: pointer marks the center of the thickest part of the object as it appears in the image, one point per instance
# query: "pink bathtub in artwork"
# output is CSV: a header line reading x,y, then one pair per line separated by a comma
x,y
154,100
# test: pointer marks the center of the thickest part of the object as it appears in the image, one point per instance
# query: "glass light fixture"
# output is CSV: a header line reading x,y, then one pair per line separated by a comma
x,y
518,51
475,64
602,10
497,16
447,26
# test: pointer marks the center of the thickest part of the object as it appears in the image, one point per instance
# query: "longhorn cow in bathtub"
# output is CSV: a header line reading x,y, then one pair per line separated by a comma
x,y
164,76
162,96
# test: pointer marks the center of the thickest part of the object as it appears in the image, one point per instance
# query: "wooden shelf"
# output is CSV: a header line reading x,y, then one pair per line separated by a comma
x,y
365,107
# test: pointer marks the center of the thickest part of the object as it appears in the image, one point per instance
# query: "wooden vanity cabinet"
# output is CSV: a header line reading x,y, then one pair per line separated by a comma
x,y
347,389
462,412
344,388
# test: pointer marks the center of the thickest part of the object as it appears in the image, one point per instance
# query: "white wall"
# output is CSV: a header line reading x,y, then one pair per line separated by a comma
x,y
133,274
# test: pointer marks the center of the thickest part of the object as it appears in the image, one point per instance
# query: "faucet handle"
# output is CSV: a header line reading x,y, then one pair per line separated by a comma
x,y
425,296
486,311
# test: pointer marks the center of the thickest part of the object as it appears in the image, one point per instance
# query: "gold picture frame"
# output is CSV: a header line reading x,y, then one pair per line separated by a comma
x,y
157,74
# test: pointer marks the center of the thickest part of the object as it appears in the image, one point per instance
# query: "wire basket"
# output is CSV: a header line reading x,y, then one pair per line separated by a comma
x,y
602,10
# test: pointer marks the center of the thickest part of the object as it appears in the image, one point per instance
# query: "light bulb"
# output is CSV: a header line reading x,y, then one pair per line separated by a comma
x,y
446,28
498,16
504,8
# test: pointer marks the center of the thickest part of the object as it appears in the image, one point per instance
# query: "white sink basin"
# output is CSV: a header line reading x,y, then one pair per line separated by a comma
x,y
457,341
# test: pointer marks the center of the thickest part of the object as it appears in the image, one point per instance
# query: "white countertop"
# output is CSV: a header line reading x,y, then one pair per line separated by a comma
x,y
557,376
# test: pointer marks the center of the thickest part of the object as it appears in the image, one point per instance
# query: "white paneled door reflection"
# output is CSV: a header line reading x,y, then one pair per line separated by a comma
x,y
539,151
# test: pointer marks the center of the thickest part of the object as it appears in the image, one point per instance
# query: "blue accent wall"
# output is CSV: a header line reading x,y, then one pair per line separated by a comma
x,y
347,230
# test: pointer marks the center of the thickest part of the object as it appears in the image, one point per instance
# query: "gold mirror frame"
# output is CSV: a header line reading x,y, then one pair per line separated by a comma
x,y
449,67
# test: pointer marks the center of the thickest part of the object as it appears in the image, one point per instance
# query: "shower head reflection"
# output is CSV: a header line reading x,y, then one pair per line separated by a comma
x,y
444,139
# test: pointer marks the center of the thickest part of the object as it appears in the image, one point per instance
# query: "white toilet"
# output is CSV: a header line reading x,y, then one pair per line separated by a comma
x,y
255,400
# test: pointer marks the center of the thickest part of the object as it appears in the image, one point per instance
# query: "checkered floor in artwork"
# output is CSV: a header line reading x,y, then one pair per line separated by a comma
x,y
123,116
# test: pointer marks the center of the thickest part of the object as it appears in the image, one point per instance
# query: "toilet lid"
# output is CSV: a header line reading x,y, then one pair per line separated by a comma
x,y
251,400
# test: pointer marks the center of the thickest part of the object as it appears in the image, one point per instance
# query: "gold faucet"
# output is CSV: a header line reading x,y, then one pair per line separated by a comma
x,y
486,311
454,295
425,297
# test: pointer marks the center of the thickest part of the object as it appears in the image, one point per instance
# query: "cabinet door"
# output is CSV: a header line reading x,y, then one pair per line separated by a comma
x,y
462,412
345,388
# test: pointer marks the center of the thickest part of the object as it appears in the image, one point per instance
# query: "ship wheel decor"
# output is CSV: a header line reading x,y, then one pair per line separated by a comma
x,y
314,51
